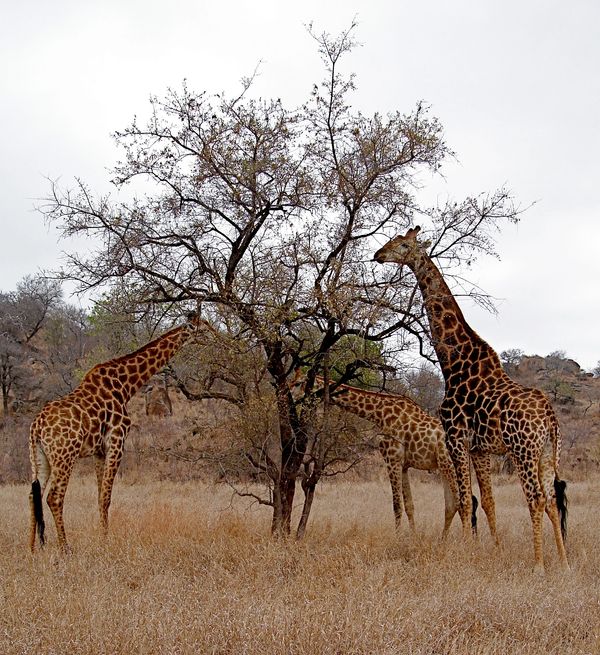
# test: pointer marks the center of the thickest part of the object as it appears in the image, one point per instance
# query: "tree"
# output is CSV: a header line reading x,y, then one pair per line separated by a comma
x,y
63,347
268,216
424,385
22,315
510,359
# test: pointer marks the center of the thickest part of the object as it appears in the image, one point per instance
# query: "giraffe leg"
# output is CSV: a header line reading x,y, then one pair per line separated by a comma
x,y
99,463
36,496
394,464
456,444
409,507
56,498
483,472
395,476
111,466
446,468
552,512
547,480
527,469
450,504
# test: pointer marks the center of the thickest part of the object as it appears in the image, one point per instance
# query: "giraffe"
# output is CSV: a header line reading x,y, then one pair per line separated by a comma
x,y
483,410
411,439
92,420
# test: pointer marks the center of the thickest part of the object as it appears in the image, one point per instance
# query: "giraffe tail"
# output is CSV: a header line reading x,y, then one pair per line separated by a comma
x,y
560,491
474,505
37,512
560,486
40,469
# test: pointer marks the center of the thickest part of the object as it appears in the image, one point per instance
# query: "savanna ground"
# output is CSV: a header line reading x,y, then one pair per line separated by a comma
x,y
186,570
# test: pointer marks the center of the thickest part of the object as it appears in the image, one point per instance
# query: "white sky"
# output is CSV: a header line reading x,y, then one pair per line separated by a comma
x,y
516,85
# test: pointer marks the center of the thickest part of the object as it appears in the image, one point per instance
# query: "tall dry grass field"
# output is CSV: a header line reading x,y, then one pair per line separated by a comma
x,y
184,570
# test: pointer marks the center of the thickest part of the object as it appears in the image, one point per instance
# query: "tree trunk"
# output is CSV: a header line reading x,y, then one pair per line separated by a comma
x,y
308,486
292,453
292,439
5,396
316,450
283,503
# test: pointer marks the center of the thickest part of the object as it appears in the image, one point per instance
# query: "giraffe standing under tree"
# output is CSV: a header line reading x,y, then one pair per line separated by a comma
x,y
412,439
92,420
483,410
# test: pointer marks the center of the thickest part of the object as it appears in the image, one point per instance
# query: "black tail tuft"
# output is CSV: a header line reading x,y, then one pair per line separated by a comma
x,y
475,505
38,512
560,489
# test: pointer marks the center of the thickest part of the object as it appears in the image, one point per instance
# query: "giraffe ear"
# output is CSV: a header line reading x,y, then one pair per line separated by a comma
x,y
425,245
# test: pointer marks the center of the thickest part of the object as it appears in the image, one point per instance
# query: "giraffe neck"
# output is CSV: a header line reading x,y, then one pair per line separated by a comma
x,y
124,375
366,404
456,343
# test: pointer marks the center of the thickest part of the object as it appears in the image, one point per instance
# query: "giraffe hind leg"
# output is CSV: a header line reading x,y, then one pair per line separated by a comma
x,y
56,499
530,478
38,486
409,507
99,463
556,503
111,466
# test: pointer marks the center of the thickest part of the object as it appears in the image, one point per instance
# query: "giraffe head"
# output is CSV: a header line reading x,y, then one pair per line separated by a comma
x,y
297,384
194,323
194,320
403,249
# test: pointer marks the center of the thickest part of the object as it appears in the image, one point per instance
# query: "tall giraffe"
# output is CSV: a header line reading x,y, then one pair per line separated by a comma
x,y
92,420
483,410
412,439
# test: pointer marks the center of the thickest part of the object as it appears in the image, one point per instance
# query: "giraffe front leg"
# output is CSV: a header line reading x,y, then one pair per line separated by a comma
x,y
448,473
409,507
483,472
392,454
450,504
457,448
395,476
111,466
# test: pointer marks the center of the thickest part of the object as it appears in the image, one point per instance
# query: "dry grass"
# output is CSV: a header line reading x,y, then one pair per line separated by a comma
x,y
183,571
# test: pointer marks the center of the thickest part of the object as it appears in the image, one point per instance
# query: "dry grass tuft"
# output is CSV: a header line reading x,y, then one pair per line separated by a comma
x,y
186,570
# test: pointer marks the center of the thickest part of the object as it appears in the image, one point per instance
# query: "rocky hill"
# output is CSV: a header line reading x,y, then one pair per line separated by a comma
x,y
575,396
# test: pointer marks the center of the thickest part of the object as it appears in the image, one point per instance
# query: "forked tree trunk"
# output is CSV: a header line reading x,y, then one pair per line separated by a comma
x,y
293,445
283,504
308,486
316,452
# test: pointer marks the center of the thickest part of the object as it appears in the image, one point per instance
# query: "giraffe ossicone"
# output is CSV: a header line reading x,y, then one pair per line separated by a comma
x,y
484,411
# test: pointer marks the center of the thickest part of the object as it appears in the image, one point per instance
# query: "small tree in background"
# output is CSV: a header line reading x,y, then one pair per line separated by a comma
x,y
510,359
23,313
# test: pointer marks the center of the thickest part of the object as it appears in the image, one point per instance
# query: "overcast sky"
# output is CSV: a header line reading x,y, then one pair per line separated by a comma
x,y
516,85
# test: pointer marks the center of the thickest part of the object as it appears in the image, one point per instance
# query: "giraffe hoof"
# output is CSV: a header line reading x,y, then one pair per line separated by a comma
x,y
539,570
